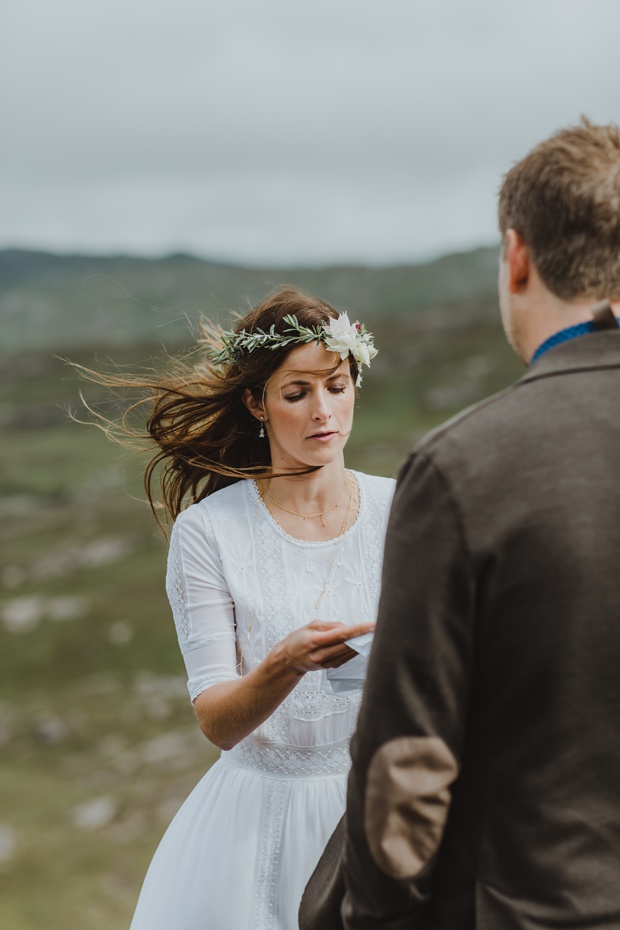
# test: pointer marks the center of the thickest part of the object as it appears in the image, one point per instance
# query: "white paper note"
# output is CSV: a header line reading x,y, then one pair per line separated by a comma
x,y
350,676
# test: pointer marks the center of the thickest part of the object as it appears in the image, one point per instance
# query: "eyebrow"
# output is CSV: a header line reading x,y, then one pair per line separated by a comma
x,y
338,374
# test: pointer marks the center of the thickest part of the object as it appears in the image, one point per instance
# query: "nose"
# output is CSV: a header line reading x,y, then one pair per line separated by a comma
x,y
321,412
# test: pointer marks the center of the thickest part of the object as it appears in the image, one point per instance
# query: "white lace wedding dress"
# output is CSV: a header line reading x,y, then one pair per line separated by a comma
x,y
240,850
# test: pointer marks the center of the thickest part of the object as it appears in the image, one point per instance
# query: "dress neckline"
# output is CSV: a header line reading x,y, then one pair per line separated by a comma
x,y
262,508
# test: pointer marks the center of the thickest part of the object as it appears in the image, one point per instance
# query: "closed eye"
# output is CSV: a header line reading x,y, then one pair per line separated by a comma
x,y
333,389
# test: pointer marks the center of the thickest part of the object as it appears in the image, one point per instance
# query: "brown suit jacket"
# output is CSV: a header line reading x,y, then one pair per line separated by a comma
x,y
485,787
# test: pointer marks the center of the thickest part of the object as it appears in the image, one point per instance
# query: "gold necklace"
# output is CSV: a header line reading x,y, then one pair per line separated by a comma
x,y
339,544
339,540
307,516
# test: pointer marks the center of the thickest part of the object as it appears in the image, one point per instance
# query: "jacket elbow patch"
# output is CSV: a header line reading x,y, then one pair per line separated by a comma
x,y
407,801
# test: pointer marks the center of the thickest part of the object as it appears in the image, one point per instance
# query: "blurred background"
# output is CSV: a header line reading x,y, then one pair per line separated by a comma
x,y
161,161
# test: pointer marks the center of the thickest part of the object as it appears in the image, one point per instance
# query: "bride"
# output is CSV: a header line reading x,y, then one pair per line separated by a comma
x,y
272,566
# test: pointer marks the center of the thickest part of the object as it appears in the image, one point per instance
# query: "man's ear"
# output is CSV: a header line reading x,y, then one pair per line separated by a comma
x,y
254,406
517,256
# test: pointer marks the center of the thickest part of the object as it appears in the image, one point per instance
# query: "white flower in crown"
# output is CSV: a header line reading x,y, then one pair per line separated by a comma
x,y
345,337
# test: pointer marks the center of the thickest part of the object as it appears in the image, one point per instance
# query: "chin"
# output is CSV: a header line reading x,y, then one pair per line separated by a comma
x,y
324,459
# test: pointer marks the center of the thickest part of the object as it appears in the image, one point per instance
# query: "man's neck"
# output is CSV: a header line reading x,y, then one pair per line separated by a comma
x,y
556,317
572,331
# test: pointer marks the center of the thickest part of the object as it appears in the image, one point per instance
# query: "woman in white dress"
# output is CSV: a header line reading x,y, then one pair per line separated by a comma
x,y
272,566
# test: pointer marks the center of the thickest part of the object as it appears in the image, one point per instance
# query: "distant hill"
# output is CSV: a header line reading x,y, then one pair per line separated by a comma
x,y
57,302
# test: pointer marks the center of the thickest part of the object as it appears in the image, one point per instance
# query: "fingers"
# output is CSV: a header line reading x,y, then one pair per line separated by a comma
x,y
329,656
321,642
340,633
336,663
345,659
359,629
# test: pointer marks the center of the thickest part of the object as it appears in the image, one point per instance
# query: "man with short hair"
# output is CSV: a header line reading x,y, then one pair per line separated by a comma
x,y
485,787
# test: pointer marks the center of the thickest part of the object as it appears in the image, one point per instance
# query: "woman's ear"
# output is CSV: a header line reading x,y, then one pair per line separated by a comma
x,y
254,406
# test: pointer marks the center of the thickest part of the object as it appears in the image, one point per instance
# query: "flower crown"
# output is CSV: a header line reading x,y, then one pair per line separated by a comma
x,y
338,335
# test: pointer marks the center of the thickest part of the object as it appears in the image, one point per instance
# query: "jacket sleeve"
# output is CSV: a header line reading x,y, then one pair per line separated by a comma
x,y
407,748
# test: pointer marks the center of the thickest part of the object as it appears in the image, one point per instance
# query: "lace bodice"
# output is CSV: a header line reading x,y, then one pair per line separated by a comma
x,y
238,584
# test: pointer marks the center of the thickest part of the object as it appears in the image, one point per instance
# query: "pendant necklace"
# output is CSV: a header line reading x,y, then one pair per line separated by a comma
x,y
306,516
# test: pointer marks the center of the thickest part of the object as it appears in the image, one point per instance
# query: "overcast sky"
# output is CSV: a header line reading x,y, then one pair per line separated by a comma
x,y
282,131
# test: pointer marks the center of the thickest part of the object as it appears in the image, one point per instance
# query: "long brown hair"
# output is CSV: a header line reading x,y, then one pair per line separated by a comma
x,y
206,437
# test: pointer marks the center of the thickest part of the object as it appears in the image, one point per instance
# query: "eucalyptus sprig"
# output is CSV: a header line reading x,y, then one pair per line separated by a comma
x,y
236,344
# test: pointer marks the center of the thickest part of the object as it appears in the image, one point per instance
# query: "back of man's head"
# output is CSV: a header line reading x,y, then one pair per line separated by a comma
x,y
563,199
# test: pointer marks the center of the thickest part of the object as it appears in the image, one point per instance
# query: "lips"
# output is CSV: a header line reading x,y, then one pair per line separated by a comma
x,y
323,436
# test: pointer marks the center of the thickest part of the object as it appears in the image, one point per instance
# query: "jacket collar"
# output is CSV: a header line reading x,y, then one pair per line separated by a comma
x,y
594,350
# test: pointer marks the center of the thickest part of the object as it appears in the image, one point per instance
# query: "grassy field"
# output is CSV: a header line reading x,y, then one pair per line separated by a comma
x,y
98,740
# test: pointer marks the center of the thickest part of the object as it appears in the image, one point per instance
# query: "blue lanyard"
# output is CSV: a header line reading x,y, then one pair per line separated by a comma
x,y
564,335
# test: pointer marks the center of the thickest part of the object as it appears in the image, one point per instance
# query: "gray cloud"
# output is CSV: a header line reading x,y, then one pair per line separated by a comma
x,y
281,131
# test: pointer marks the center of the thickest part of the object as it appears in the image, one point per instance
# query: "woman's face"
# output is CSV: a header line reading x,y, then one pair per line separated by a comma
x,y
309,407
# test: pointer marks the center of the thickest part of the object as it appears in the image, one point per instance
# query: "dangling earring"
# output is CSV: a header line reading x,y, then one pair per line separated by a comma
x,y
261,434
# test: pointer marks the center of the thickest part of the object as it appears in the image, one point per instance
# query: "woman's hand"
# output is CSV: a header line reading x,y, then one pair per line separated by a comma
x,y
230,710
319,645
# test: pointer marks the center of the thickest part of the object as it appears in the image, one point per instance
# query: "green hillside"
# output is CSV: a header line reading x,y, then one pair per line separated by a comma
x,y
57,302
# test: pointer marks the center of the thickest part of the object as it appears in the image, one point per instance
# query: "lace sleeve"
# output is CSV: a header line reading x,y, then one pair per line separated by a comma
x,y
202,606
